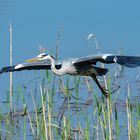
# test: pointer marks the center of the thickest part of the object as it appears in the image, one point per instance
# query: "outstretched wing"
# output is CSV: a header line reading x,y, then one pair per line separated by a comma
x,y
28,66
128,61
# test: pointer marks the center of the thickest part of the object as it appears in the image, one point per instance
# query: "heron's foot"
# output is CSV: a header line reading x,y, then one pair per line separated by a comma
x,y
105,92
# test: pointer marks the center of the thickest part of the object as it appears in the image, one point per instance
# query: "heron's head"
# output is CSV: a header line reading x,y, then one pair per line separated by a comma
x,y
40,57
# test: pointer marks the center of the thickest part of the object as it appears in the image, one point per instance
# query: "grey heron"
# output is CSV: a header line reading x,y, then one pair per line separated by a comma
x,y
84,66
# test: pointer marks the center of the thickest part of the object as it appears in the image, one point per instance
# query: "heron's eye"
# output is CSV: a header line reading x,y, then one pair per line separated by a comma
x,y
41,56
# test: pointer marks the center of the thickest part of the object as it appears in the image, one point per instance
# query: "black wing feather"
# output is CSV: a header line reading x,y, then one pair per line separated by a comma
x,y
12,68
28,66
128,61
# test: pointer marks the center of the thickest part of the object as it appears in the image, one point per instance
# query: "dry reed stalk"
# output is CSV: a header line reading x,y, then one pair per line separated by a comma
x,y
88,85
44,114
35,109
128,112
31,124
11,76
58,42
49,116
128,120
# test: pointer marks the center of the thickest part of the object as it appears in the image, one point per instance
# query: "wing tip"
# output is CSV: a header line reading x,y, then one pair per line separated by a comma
x,y
7,69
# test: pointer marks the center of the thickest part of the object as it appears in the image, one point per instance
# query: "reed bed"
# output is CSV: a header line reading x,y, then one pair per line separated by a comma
x,y
63,113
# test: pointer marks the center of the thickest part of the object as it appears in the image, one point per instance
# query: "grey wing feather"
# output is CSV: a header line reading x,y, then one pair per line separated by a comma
x,y
128,61
93,59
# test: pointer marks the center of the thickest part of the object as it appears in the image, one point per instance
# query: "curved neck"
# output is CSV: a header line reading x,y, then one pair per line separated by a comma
x,y
53,68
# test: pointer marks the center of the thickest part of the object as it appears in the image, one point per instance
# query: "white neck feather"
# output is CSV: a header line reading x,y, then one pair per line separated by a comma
x,y
53,68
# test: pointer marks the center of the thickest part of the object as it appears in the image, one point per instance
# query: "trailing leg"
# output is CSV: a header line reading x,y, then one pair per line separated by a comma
x,y
103,89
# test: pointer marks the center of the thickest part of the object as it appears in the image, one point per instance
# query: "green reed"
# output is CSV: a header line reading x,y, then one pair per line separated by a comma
x,y
75,121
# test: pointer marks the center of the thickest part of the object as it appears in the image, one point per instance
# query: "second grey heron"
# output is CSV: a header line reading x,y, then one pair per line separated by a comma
x,y
84,66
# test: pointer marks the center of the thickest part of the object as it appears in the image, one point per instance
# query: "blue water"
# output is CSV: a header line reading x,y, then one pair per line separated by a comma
x,y
35,24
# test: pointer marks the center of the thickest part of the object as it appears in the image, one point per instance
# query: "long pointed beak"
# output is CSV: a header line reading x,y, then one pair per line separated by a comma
x,y
32,60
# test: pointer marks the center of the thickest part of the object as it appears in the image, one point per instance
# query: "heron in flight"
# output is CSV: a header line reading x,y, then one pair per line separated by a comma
x,y
84,66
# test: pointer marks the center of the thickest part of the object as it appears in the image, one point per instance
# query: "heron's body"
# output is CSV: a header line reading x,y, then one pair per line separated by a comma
x,y
84,66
